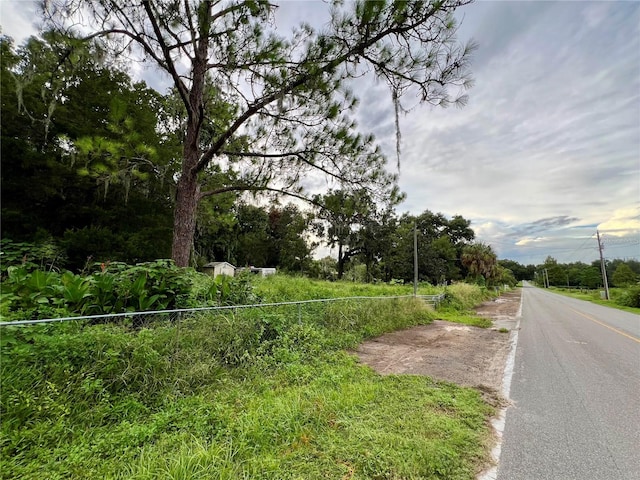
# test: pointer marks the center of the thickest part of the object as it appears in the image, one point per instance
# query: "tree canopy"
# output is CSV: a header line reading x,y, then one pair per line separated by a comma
x,y
77,165
281,107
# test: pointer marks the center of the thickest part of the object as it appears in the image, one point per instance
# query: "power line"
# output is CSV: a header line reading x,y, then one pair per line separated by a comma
x,y
585,242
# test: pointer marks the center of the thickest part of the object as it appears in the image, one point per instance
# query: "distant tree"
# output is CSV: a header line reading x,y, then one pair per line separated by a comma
x,y
343,215
288,230
556,273
443,257
502,276
520,272
398,258
634,265
459,230
326,268
591,277
440,243
216,237
376,239
253,237
624,276
246,234
573,272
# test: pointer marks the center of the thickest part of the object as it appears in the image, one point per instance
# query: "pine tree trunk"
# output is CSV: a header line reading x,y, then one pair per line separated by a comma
x,y
188,188
184,219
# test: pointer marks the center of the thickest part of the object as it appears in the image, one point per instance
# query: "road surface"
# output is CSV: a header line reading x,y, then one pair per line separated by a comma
x,y
575,392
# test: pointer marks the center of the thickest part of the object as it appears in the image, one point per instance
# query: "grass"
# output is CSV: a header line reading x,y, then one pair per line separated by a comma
x,y
277,288
460,299
265,393
345,421
467,318
593,296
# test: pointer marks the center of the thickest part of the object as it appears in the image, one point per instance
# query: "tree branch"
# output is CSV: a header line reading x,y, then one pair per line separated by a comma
x,y
170,66
355,51
249,188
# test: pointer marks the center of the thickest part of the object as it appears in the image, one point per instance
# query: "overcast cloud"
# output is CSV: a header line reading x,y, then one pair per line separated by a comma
x,y
548,148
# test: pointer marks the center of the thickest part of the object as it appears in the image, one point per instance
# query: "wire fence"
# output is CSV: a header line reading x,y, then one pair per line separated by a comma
x,y
144,318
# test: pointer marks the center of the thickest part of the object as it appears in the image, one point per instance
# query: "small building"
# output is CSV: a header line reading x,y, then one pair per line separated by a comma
x,y
266,271
261,271
219,268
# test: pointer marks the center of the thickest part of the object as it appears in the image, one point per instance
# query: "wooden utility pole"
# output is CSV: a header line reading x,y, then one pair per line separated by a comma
x,y
415,259
603,267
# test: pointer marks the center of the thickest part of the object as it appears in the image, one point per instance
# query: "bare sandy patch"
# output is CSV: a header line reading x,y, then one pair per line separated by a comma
x,y
465,355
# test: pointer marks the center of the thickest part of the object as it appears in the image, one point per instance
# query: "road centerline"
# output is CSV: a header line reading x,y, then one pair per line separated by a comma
x,y
624,334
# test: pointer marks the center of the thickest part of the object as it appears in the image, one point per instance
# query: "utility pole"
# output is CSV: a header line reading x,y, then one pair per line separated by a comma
x,y
415,259
603,267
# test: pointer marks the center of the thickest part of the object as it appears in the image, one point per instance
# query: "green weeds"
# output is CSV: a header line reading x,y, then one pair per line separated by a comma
x,y
30,293
277,288
459,300
260,393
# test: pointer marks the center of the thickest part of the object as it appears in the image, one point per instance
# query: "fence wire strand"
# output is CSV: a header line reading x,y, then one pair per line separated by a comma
x,y
145,317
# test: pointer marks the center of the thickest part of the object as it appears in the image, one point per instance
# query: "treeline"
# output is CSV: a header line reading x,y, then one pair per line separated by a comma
x,y
620,273
370,249
90,161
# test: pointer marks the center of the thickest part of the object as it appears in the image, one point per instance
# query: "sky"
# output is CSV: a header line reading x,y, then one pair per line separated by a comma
x,y
546,152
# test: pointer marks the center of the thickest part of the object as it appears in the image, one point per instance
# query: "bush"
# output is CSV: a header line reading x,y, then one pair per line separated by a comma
x,y
111,288
630,297
45,255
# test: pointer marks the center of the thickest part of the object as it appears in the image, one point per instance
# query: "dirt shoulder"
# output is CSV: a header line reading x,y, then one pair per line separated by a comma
x,y
461,354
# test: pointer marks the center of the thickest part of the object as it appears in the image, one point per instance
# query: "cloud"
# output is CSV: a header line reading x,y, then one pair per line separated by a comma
x,y
549,145
545,224
18,19
624,222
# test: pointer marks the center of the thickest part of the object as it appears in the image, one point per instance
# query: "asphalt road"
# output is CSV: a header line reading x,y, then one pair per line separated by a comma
x,y
575,392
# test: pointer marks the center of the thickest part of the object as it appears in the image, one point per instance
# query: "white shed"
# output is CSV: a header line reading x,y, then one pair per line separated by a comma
x,y
261,271
219,268
266,271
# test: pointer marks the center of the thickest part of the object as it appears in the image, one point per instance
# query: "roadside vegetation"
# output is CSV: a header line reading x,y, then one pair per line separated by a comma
x,y
460,298
585,281
627,299
259,393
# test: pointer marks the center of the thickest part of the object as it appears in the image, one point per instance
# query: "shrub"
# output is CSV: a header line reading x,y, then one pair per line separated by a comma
x,y
630,297
45,255
115,287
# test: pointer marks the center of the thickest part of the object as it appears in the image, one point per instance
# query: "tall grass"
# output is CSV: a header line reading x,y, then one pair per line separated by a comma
x,y
284,288
463,296
460,298
263,393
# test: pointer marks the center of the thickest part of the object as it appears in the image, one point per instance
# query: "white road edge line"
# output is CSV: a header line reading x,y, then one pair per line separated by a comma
x,y
499,422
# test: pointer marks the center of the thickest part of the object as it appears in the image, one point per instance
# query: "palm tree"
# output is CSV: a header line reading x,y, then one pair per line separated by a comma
x,y
480,260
